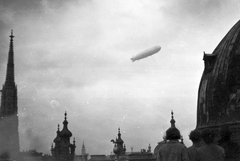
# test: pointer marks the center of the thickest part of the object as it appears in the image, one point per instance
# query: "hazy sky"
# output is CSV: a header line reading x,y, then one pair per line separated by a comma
x,y
75,55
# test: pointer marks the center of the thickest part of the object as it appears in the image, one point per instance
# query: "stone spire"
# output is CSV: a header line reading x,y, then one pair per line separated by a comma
x,y
9,90
10,65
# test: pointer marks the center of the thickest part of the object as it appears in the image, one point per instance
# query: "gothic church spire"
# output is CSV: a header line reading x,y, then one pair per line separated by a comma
x,y
9,137
10,65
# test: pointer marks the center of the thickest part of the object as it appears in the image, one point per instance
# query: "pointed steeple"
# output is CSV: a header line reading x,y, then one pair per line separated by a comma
x,y
9,90
172,121
83,149
10,65
9,109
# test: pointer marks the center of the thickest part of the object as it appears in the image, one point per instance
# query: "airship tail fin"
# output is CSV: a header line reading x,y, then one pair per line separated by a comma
x,y
132,59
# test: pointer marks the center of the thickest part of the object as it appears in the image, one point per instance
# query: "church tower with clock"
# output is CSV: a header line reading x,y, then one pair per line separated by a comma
x,y
9,137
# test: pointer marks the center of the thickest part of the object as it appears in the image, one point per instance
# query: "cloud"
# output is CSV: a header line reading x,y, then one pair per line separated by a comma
x,y
74,56
33,140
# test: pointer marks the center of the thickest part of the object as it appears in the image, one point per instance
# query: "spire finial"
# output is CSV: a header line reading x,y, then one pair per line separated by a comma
x,y
119,133
172,120
65,115
11,36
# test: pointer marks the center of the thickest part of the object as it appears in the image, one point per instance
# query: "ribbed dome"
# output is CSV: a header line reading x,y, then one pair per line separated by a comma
x,y
219,90
65,132
225,51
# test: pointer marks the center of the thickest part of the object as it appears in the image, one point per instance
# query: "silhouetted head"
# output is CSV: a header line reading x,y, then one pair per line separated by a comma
x,y
173,134
208,136
195,136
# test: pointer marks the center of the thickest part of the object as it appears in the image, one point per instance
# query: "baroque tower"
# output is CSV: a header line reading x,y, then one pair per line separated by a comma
x,y
9,137
119,147
63,149
83,150
84,156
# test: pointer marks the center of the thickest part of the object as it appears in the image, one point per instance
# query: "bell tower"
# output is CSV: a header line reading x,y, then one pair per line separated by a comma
x,y
9,138
119,147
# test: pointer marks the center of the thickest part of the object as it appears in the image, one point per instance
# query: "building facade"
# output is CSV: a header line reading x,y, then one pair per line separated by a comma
x,y
9,137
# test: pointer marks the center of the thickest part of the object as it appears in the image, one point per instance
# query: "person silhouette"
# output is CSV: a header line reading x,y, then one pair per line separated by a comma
x,y
173,150
195,137
209,151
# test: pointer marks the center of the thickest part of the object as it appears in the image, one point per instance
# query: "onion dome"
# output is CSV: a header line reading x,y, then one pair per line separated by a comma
x,y
57,139
65,132
172,121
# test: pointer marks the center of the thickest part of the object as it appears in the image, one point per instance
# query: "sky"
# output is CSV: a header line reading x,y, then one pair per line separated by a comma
x,y
74,56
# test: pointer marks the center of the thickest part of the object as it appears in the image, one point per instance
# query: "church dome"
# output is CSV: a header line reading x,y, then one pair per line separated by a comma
x,y
219,89
57,139
65,132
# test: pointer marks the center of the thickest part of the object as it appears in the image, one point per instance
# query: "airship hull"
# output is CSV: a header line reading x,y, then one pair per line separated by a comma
x,y
146,53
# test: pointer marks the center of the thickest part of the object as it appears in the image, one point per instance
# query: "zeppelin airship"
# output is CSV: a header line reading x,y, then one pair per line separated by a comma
x,y
146,53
